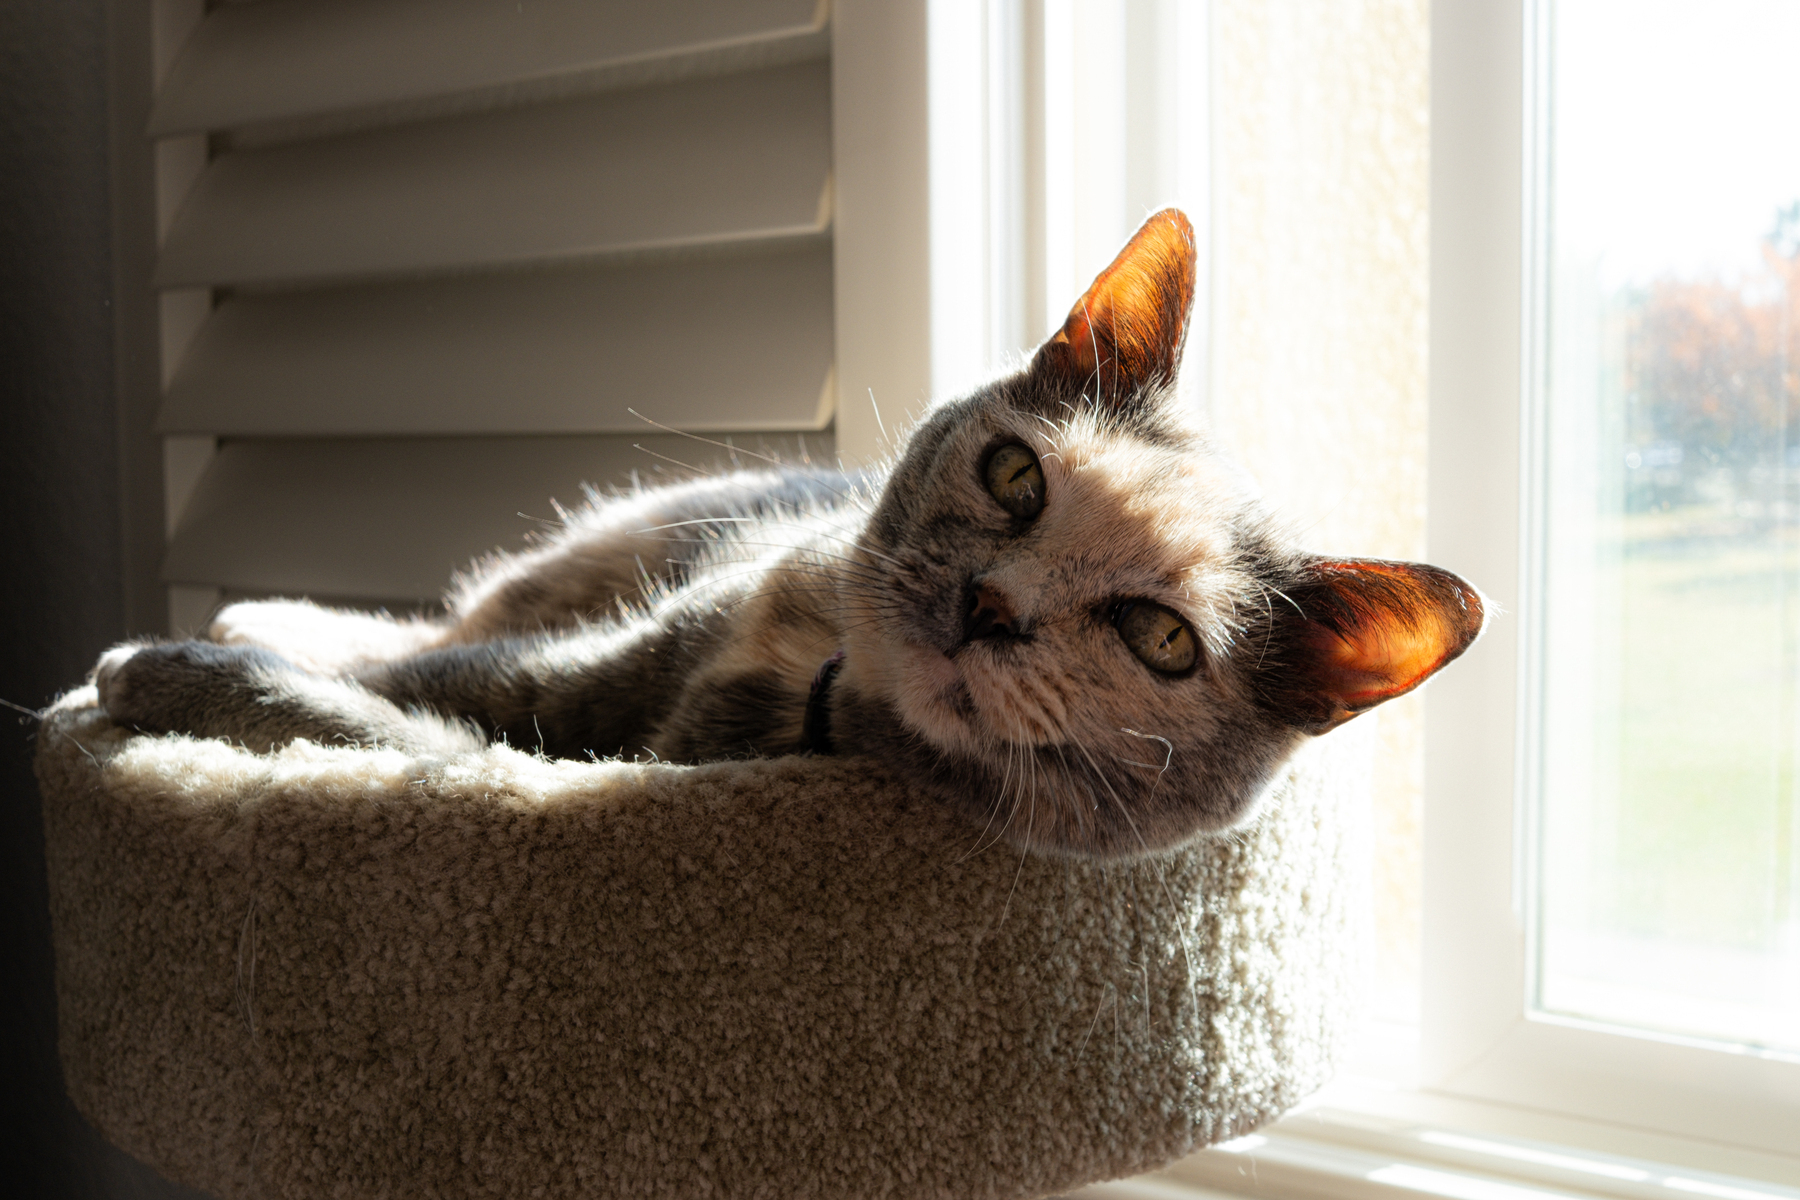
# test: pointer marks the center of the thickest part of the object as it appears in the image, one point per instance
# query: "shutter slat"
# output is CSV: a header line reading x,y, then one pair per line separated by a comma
x,y
742,158
390,519
282,60
736,343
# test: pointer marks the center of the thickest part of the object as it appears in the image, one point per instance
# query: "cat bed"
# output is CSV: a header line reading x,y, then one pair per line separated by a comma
x,y
341,972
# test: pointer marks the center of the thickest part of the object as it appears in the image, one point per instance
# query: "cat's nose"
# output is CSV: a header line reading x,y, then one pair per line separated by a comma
x,y
990,614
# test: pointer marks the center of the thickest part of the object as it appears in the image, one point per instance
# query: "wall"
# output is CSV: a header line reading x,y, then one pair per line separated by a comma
x,y
1320,193
79,487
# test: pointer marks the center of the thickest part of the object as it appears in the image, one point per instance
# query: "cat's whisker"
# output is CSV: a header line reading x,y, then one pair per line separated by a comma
x,y
1013,811
731,520
734,450
814,587
783,546
1068,774
1015,752
1168,755
1013,783
863,546
1024,852
805,457
721,579
700,471
1156,867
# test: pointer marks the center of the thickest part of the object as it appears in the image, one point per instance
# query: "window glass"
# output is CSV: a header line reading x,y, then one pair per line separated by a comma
x,y
1667,886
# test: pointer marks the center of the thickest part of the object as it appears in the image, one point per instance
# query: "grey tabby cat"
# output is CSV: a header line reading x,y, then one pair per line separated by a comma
x,y
1061,611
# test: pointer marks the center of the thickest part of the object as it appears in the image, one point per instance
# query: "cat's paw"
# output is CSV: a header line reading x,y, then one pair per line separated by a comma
x,y
124,677
173,687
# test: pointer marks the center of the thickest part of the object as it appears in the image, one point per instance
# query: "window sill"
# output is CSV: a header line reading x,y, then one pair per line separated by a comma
x,y
1373,1134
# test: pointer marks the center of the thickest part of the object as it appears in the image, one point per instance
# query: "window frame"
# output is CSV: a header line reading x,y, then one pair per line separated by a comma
x,y
1479,1038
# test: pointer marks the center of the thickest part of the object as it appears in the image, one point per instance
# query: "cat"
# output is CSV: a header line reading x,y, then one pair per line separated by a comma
x,y
1061,610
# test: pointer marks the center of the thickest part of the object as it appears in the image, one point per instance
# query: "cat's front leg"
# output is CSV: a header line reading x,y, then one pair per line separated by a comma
x,y
258,699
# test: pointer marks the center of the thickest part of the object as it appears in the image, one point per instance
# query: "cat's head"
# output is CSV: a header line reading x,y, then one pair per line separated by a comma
x,y
1075,616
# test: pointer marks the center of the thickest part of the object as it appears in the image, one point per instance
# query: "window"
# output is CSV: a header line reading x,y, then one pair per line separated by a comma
x,y
1663,582
1542,1068
1529,1001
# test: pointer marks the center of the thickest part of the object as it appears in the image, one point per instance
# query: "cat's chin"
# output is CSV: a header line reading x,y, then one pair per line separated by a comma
x,y
925,688
953,702
931,695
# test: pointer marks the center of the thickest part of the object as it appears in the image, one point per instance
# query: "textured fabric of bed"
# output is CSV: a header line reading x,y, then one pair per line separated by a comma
x,y
338,972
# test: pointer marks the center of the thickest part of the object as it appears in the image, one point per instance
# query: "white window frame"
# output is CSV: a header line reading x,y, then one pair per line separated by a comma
x,y
1480,1041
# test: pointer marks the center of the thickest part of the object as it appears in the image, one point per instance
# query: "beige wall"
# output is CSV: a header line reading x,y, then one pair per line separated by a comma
x,y
1318,371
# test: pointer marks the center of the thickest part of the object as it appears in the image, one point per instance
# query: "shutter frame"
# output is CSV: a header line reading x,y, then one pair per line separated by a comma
x,y
342,234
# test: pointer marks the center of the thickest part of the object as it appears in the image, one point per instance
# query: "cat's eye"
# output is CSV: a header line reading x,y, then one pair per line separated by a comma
x,y
1157,636
1015,479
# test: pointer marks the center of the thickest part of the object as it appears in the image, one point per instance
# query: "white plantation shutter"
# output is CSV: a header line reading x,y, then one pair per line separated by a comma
x,y
741,342
420,258
387,518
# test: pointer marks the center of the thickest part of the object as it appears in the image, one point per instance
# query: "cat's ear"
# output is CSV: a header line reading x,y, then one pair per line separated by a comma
x,y
1123,338
1355,633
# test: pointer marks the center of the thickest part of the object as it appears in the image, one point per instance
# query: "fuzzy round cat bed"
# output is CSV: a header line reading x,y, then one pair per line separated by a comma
x,y
339,972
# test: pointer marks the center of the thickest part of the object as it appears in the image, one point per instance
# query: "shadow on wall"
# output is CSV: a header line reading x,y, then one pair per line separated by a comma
x,y
62,500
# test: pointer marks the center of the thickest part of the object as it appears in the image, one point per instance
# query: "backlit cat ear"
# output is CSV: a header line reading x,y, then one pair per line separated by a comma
x,y
1125,335
1367,631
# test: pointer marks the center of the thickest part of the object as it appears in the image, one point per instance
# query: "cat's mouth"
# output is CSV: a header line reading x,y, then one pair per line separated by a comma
x,y
930,679
953,672
932,695
967,702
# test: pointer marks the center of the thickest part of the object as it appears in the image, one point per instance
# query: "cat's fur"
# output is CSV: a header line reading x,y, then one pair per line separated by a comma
x,y
981,651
